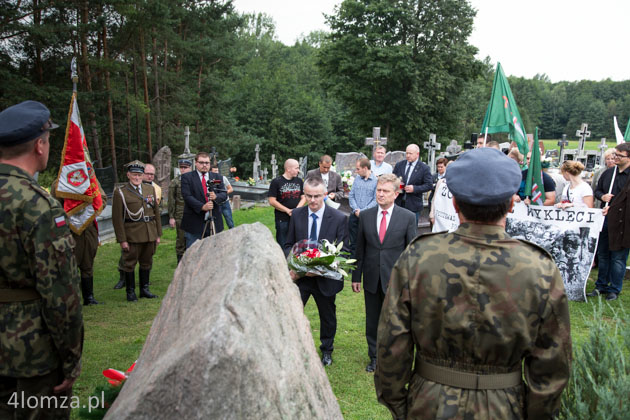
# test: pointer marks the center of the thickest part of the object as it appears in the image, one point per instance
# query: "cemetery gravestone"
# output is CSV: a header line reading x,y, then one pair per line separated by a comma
x,y
186,140
303,166
432,145
347,161
256,173
394,157
453,148
106,178
376,139
274,166
224,167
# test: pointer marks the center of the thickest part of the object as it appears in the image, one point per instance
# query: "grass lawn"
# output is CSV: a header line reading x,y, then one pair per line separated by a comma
x,y
115,332
573,144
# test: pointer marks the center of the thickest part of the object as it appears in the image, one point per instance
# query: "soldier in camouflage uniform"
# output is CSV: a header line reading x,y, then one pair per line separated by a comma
x,y
475,324
41,325
137,224
176,204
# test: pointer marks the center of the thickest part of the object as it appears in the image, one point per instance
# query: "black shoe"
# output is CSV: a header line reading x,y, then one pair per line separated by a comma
x,y
121,281
611,296
327,359
144,284
87,290
596,293
371,367
130,283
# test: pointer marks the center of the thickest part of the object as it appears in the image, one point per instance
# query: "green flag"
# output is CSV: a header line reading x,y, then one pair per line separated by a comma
x,y
502,115
626,136
533,184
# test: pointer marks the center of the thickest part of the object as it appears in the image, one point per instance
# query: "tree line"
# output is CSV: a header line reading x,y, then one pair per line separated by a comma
x,y
147,69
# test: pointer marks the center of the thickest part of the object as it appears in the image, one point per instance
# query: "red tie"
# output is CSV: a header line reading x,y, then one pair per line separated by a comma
x,y
383,228
205,186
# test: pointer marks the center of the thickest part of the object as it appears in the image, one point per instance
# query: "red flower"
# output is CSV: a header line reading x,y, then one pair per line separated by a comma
x,y
311,253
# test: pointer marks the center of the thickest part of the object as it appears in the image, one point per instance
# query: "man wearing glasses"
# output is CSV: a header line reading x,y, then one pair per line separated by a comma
x,y
203,192
614,239
149,178
316,222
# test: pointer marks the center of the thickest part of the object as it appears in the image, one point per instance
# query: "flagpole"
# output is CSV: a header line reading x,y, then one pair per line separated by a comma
x,y
612,182
485,136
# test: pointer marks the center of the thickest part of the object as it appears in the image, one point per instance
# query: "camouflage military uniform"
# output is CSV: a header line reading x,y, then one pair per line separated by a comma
x,y
176,211
477,301
41,335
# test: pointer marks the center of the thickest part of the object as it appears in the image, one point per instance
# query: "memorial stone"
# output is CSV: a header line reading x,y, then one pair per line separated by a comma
x,y
162,163
453,148
230,341
274,166
256,173
303,163
432,145
265,173
224,167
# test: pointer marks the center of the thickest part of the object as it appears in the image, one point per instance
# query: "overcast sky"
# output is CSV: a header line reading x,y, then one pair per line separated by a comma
x,y
565,39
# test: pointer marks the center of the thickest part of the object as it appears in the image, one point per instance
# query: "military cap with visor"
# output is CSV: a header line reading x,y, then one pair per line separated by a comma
x,y
483,177
136,167
24,122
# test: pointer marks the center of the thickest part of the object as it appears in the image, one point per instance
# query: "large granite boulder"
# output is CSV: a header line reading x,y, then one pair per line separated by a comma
x,y
230,341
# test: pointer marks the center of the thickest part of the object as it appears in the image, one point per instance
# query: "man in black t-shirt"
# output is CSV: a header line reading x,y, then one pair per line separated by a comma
x,y
285,194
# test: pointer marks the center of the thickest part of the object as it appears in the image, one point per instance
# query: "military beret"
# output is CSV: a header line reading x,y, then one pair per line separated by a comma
x,y
24,122
135,167
483,177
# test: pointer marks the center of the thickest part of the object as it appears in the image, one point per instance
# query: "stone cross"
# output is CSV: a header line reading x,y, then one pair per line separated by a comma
x,y
274,166
265,173
583,134
256,172
563,143
303,165
376,139
602,148
186,140
432,146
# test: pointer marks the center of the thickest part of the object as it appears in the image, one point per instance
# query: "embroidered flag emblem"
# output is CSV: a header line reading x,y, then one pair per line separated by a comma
x,y
60,221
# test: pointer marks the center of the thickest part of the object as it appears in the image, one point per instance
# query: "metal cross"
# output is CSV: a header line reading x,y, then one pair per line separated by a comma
x,y
376,139
432,146
583,134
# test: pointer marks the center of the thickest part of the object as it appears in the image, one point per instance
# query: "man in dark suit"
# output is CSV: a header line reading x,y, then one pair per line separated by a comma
x,y
202,213
416,178
331,179
384,233
318,221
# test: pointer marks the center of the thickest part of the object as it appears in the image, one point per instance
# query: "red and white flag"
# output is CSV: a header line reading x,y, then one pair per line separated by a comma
x,y
76,182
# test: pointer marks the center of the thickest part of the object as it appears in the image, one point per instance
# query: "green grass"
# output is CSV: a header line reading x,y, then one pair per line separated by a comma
x,y
115,332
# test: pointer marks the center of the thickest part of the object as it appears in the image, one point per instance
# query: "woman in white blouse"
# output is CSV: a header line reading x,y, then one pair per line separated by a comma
x,y
576,193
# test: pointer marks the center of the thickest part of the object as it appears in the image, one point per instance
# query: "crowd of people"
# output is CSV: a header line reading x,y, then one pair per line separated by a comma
x,y
445,331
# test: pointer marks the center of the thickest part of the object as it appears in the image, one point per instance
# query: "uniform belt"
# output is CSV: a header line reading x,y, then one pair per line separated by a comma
x,y
18,295
142,219
467,380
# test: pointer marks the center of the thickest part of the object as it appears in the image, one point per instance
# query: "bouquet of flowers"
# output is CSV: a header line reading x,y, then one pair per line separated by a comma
x,y
347,178
105,394
321,258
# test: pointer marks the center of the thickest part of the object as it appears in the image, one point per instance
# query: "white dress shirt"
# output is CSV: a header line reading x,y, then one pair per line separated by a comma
x,y
379,217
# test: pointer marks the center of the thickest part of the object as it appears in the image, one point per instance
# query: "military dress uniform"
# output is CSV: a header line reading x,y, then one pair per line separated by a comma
x,y
41,324
136,220
468,314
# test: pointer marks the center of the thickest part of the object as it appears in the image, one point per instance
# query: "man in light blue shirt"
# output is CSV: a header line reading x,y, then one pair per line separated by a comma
x,y
362,197
379,166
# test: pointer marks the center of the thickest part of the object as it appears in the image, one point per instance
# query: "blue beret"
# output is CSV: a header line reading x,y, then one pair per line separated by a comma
x,y
24,122
135,167
483,177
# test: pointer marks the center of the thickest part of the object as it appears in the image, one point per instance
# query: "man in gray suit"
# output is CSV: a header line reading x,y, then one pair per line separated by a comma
x,y
331,179
384,233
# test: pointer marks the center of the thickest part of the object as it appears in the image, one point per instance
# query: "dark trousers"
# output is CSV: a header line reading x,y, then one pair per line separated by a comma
x,y
141,253
327,311
612,264
282,228
353,230
85,249
373,306
180,242
15,393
